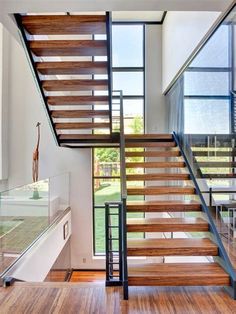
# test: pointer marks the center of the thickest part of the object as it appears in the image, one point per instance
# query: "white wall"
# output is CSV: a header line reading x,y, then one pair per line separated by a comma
x,y
182,32
155,114
38,261
25,110
3,104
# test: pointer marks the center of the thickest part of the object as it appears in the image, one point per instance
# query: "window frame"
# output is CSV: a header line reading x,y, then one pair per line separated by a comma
x,y
143,97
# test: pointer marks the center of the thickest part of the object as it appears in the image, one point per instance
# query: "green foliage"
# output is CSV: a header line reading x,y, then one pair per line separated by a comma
x,y
137,125
107,155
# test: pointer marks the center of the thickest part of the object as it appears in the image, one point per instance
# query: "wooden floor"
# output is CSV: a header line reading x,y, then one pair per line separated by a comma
x,y
95,298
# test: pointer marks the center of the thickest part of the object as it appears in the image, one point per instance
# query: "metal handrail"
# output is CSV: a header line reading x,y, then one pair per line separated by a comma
x,y
222,252
123,273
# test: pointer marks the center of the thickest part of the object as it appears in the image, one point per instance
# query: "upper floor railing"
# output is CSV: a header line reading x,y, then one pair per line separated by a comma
x,y
26,212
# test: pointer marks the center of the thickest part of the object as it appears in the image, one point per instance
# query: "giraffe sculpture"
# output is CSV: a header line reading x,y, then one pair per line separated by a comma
x,y
35,165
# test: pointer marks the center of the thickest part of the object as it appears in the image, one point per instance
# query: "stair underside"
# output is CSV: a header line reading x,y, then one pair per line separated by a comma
x,y
167,225
64,24
72,68
187,274
171,247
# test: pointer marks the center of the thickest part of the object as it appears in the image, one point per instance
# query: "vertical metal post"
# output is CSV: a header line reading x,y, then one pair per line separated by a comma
x,y
109,61
120,243
107,209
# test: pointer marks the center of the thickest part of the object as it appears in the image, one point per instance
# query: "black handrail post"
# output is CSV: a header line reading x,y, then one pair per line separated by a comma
x,y
125,265
222,252
109,63
107,209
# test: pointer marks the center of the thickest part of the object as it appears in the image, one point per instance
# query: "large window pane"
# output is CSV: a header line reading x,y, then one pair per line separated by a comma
x,y
208,116
206,83
127,45
106,162
131,83
106,190
216,51
134,116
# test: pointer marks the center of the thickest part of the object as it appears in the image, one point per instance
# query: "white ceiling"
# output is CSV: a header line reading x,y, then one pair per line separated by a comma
x,y
133,16
8,7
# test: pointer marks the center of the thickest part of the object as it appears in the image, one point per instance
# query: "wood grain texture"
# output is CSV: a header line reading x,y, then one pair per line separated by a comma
x,y
60,48
150,144
171,247
157,164
163,206
85,137
77,100
79,113
64,24
74,85
167,225
73,298
166,153
157,177
81,125
149,136
161,190
72,68
187,274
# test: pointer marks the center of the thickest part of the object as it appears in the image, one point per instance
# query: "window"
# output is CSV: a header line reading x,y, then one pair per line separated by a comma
x,y
128,75
207,100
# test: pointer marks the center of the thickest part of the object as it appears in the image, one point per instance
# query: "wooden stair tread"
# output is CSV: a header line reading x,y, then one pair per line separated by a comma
x,y
149,136
58,48
166,224
72,68
166,153
64,24
177,274
156,164
84,136
150,144
171,247
79,113
157,176
82,125
77,100
217,164
163,206
74,85
160,190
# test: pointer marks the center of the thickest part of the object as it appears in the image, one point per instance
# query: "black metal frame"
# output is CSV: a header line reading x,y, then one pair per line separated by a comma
x,y
109,60
212,227
111,279
120,69
35,72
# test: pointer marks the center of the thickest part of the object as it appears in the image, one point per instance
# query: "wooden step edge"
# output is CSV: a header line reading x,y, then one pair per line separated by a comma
x,y
170,164
163,206
172,247
81,126
178,274
174,153
158,177
167,225
161,190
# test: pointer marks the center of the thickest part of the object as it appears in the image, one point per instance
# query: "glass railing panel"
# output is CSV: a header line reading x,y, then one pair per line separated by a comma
x,y
58,195
26,212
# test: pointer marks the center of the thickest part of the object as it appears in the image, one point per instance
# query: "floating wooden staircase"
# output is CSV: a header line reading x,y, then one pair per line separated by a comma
x,y
70,57
170,211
